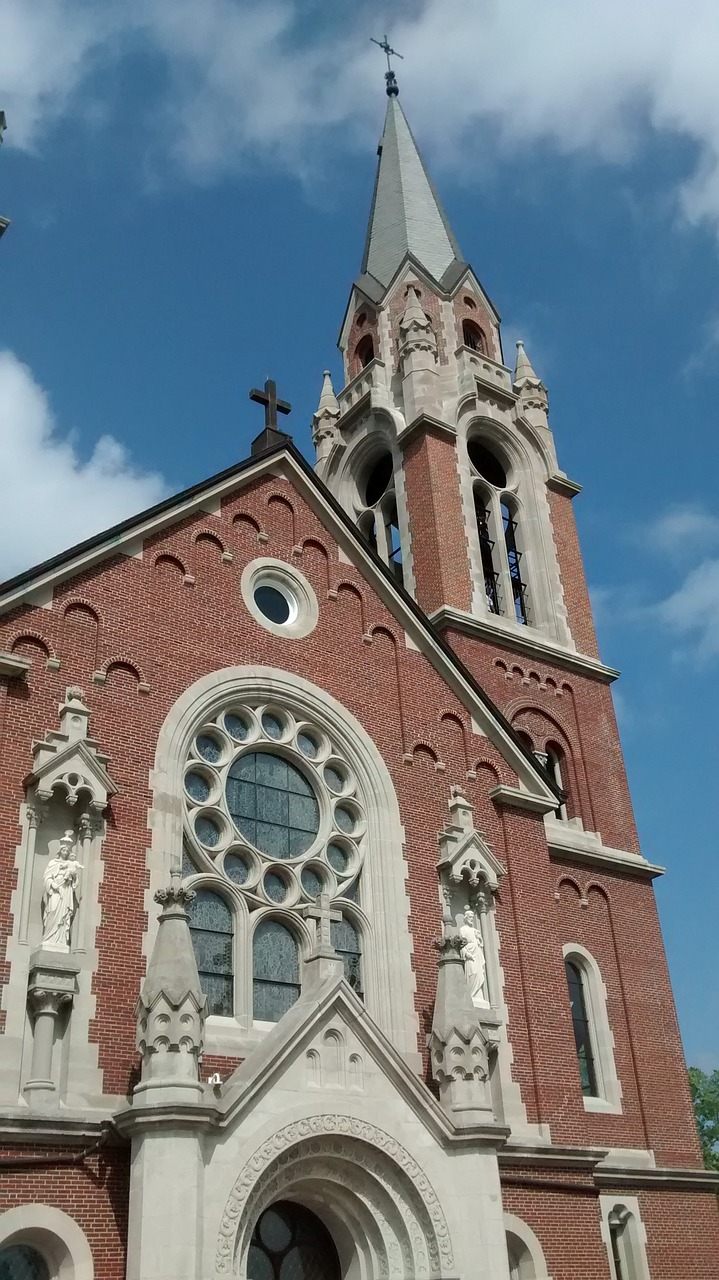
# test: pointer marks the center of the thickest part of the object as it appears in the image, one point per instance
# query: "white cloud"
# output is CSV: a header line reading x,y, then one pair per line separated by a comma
x,y
49,497
682,529
691,613
269,79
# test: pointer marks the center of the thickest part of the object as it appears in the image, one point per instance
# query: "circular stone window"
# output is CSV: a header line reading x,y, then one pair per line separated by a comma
x,y
487,464
279,598
272,805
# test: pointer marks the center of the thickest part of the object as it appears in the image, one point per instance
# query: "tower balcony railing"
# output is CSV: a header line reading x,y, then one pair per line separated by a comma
x,y
372,378
473,365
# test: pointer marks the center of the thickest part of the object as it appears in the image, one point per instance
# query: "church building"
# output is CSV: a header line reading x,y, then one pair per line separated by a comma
x,y
329,951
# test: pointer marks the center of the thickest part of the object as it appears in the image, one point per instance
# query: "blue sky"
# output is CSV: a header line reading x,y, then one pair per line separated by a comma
x,y
189,188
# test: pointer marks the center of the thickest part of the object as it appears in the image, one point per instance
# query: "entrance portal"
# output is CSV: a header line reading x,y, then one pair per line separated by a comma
x,y
290,1243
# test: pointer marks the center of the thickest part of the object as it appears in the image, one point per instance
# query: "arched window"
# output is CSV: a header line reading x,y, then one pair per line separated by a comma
x,y
346,942
582,1030
212,938
364,350
514,557
487,549
22,1262
624,1236
524,1252
593,1040
519,1257
275,971
505,591
379,522
474,337
557,772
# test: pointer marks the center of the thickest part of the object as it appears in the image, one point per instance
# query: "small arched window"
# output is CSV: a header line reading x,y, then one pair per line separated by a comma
x,y
624,1236
556,768
487,551
22,1262
275,971
474,337
380,522
514,558
212,939
364,350
346,942
579,1005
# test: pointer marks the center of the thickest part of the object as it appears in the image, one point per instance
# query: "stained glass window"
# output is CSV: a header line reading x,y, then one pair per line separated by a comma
x,y
345,819
337,858
207,832
334,778
290,1243
346,942
236,868
274,886
582,1034
208,747
272,804
211,932
312,882
22,1262
236,726
275,971
307,744
198,788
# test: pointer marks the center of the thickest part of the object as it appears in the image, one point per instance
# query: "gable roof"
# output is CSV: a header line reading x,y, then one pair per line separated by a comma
x,y
35,586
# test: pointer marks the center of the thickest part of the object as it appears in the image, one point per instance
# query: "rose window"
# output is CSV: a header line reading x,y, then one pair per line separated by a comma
x,y
272,809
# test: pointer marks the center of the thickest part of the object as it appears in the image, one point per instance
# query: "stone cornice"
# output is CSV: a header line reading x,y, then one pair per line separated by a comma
x,y
519,799
567,844
14,666
702,1180
523,640
560,483
20,1127
489,390
426,422
550,1157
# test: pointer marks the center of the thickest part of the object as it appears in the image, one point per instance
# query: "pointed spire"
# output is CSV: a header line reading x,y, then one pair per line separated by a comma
x,y
406,215
532,391
325,418
172,1007
523,368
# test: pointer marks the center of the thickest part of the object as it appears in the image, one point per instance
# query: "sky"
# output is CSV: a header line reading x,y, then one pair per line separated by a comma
x,y
188,186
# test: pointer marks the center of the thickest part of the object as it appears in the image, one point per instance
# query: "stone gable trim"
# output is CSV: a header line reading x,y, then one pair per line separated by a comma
x,y
520,642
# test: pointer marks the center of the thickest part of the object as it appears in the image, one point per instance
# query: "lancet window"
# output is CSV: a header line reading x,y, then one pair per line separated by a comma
x,y
378,518
498,531
273,818
582,1030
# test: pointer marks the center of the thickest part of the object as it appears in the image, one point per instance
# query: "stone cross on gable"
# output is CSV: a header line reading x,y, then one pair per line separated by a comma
x,y
325,916
273,406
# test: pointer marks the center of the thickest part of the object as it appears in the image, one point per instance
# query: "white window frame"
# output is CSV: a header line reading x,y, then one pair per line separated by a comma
x,y
609,1096
55,1235
634,1245
517,1227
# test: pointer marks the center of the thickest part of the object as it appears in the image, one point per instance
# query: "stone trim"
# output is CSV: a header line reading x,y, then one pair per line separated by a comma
x,y
389,998
54,1234
634,1236
523,640
609,1099
13,666
571,845
524,1233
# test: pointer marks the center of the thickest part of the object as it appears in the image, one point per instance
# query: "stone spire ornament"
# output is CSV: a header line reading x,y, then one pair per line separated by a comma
x,y
418,357
172,1008
532,392
459,1050
325,418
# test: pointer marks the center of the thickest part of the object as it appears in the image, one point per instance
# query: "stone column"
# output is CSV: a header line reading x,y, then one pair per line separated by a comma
x,y
35,815
51,988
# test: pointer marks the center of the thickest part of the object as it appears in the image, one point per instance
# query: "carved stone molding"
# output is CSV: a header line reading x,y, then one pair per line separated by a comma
x,y
69,762
364,1145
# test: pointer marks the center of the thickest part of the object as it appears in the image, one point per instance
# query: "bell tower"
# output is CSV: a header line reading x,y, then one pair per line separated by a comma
x,y
440,451
443,455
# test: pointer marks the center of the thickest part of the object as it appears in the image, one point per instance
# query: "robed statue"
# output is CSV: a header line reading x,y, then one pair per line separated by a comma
x,y
472,954
60,895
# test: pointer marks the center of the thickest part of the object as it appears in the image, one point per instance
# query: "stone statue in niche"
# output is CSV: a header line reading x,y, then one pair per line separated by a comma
x,y
59,899
472,954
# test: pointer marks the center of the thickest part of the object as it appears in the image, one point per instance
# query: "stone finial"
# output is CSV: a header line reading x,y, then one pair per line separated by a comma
x,y
531,390
459,1050
323,962
74,714
416,333
325,418
172,1008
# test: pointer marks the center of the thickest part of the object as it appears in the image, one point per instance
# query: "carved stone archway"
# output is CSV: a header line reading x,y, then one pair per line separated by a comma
x,y
377,1202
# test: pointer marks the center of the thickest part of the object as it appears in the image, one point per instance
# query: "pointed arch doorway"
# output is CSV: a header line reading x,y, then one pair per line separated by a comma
x,y
289,1242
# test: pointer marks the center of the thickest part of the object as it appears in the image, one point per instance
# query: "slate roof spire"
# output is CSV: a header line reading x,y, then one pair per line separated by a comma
x,y
406,215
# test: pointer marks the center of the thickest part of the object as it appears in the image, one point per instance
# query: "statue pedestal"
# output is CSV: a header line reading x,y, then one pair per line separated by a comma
x,y
52,984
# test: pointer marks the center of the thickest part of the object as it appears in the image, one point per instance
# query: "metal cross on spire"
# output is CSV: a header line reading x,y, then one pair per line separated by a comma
x,y
273,406
389,75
